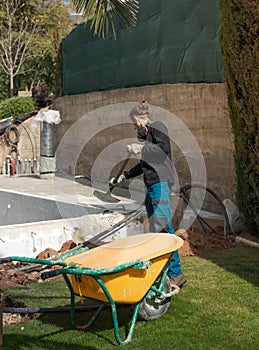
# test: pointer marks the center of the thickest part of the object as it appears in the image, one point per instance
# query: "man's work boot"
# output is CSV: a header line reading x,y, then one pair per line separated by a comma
x,y
177,282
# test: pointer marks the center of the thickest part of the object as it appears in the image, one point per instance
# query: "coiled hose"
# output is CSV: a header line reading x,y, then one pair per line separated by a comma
x,y
183,192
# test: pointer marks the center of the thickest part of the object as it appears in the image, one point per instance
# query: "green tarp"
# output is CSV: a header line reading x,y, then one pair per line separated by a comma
x,y
174,41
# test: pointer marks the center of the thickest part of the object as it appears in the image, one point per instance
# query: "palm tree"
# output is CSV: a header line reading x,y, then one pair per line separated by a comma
x,y
104,13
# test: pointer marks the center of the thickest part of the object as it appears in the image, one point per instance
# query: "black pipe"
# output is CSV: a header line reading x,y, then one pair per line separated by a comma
x,y
183,192
4,125
22,117
42,310
15,120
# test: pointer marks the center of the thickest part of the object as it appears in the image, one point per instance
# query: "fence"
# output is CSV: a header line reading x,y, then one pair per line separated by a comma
x,y
173,42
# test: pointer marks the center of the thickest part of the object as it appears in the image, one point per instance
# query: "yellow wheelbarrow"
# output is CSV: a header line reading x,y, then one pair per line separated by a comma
x,y
132,270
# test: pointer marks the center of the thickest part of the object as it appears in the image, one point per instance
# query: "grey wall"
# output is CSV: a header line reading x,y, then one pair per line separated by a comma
x,y
101,120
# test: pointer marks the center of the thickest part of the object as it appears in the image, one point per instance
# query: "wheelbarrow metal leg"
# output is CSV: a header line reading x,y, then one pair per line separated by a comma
x,y
72,308
93,318
115,316
100,309
132,324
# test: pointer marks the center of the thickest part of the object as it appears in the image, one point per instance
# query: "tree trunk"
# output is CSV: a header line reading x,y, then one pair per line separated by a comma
x,y
11,91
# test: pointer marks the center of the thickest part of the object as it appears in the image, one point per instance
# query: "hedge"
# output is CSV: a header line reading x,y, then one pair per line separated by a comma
x,y
240,43
12,107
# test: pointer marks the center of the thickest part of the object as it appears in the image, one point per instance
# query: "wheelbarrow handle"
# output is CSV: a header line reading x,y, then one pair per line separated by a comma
x,y
47,274
5,260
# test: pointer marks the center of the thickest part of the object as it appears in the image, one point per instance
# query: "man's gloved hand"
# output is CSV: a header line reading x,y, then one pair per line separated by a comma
x,y
134,148
120,180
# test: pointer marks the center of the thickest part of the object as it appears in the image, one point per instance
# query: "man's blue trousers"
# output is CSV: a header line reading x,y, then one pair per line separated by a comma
x,y
158,208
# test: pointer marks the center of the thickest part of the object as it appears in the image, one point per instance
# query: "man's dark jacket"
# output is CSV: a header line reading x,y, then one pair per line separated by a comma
x,y
156,160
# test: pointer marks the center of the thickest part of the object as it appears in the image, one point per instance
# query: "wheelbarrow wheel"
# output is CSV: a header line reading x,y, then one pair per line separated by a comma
x,y
152,307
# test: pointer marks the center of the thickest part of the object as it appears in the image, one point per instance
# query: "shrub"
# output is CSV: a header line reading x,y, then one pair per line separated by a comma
x,y
12,107
240,44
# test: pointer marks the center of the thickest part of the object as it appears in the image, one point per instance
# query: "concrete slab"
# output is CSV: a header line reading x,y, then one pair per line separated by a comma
x,y
61,189
45,213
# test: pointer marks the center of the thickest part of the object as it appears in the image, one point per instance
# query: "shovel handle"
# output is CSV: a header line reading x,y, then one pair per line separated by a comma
x,y
122,167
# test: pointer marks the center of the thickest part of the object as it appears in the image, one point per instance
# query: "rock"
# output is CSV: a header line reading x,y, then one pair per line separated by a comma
x,y
47,253
236,219
67,246
182,233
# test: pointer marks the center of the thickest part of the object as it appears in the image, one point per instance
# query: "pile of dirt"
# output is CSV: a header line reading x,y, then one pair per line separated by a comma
x,y
198,242
11,318
20,273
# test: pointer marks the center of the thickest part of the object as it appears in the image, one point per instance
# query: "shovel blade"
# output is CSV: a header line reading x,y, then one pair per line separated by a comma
x,y
105,197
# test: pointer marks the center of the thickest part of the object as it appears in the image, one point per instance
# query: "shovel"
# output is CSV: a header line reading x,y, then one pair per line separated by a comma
x,y
107,197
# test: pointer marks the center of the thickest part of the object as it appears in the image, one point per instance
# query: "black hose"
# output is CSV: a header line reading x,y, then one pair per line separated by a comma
x,y
39,310
48,274
184,189
7,135
186,199
4,125
22,117
18,119
5,260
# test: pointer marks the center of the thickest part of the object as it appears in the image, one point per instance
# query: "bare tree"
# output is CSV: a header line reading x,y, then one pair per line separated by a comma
x,y
17,32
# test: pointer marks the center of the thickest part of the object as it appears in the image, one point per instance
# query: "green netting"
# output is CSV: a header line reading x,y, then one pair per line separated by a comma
x,y
174,41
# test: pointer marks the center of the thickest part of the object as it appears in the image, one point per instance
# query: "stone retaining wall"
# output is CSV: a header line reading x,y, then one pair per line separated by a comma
x,y
201,107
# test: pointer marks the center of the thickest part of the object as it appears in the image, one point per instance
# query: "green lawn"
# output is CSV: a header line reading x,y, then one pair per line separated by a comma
x,y
217,309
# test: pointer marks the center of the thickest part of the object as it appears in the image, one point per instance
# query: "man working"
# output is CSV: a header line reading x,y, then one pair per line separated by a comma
x,y
156,165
